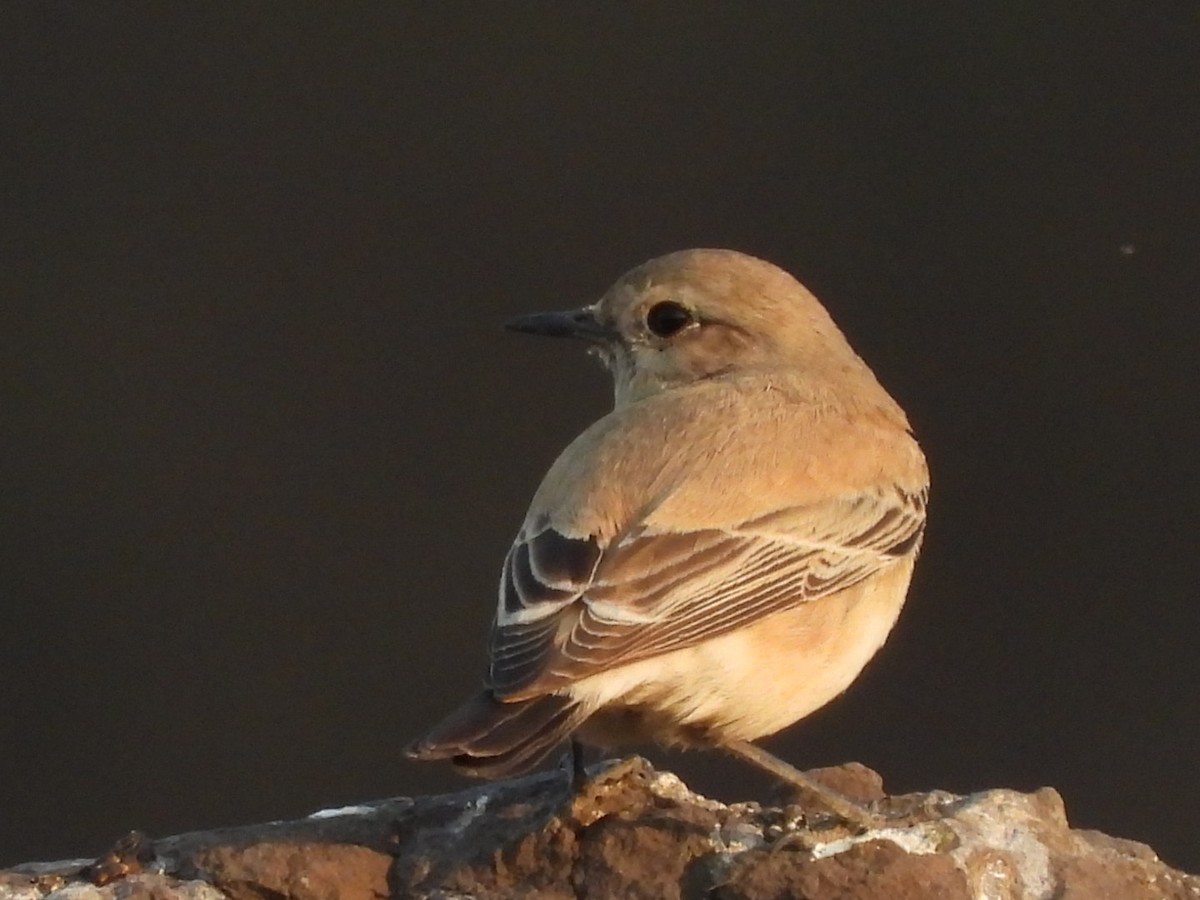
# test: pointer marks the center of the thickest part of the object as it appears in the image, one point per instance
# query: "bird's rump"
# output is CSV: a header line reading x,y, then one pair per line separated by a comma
x,y
651,592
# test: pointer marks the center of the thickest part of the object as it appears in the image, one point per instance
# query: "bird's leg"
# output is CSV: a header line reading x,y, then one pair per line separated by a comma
x,y
572,764
843,807
578,771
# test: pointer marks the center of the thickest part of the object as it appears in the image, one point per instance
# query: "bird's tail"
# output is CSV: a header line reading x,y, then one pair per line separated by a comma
x,y
489,738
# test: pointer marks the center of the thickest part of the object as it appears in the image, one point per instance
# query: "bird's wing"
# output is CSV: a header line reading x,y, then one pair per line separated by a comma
x,y
574,607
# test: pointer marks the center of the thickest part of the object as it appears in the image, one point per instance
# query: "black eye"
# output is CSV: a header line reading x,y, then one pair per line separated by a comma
x,y
668,317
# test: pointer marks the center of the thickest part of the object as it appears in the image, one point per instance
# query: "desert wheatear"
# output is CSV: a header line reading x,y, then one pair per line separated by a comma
x,y
719,555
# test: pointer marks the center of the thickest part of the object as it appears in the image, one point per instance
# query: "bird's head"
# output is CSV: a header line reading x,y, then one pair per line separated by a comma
x,y
697,314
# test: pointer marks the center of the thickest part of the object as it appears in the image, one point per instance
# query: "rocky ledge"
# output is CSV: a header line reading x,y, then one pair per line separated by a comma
x,y
629,832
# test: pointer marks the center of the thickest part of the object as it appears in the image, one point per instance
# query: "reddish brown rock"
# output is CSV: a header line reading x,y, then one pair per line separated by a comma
x,y
302,871
631,832
875,869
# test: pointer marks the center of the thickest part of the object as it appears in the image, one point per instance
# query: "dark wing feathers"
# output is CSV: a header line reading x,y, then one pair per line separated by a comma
x,y
520,651
571,608
562,561
547,571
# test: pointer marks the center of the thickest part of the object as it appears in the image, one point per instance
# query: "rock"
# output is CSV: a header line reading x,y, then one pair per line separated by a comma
x,y
629,832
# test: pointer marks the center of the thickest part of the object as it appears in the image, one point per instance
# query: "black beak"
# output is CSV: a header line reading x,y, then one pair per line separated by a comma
x,y
577,323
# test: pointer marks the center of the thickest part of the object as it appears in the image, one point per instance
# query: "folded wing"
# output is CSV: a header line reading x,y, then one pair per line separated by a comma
x,y
574,607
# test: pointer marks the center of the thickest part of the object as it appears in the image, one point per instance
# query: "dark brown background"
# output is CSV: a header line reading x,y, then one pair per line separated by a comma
x,y
264,443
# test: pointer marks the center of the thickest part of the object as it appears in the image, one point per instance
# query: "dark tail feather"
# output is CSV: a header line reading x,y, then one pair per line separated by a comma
x,y
492,739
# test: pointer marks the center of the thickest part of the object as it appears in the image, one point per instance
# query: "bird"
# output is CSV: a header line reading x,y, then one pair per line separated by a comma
x,y
719,555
